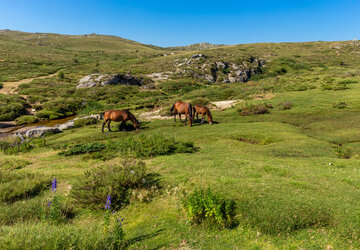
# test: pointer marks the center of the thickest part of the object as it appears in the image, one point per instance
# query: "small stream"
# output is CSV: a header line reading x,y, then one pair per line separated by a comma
x,y
49,123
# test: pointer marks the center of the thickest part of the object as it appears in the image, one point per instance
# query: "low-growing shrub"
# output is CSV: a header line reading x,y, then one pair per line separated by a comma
x,y
1,85
253,109
203,205
79,149
285,105
118,181
46,114
84,122
343,152
340,105
200,101
26,119
348,81
150,146
16,146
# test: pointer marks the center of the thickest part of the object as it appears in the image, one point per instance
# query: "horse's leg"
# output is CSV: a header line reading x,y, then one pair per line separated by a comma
x,y
109,126
197,116
180,117
103,125
186,118
202,118
122,126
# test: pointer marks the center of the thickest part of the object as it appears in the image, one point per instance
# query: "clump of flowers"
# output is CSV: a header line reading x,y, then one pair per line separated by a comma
x,y
20,145
113,224
53,210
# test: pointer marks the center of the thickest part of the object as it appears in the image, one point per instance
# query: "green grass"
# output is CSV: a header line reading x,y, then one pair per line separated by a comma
x,y
293,172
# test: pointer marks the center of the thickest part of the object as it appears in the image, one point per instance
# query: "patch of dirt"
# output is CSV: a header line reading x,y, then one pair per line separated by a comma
x,y
266,96
11,87
151,115
2,60
160,76
225,104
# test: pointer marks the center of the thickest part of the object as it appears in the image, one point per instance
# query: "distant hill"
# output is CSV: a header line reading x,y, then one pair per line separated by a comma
x,y
197,46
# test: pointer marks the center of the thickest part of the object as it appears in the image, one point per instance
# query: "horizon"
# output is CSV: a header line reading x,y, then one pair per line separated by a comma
x,y
176,24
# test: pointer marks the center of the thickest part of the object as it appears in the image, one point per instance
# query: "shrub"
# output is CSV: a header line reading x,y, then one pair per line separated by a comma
x,y
46,114
150,146
200,101
1,85
253,109
84,122
203,205
285,105
343,152
348,81
26,119
14,147
61,75
79,149
340,105
118,181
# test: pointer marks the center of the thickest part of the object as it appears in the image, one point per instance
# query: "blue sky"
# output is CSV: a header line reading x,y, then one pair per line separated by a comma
x,y
176,23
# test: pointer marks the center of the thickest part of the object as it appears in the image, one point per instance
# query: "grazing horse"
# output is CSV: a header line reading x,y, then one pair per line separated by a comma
x,y
203,110
119,116
180,107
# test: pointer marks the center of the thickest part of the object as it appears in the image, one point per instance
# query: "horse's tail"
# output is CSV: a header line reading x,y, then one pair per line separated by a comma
x,y
172,108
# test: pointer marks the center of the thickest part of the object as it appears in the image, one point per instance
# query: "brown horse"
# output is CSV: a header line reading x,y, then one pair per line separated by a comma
x,y
180,107
119,116
203,110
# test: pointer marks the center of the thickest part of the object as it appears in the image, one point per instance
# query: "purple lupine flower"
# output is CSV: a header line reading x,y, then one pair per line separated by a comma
x,y
49,204
54,185
108,202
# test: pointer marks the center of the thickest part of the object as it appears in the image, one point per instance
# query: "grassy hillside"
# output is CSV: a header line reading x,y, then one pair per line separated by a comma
x,y
293,171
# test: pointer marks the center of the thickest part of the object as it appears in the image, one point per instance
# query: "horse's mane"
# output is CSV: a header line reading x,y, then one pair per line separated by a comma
x,y
132,116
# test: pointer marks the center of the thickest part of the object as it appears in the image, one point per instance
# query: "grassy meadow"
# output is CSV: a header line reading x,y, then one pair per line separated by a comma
x,y
293,172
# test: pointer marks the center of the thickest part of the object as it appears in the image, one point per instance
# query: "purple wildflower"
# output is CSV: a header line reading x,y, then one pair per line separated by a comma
x,y
54,185
108,202
49,204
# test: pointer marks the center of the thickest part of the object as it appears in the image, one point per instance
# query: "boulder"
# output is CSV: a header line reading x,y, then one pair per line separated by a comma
x,y
40,131
93,80
67,125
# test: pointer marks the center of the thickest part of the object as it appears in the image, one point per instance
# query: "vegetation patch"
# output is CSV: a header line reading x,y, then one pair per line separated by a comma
x,y
253,109
117,181
285,105
85,122
26,119
16,185
340,105
12,164
205,205
276,215
79,149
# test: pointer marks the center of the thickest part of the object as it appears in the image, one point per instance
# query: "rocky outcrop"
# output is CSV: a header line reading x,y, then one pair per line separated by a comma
x,y
40,131
93,80
200,67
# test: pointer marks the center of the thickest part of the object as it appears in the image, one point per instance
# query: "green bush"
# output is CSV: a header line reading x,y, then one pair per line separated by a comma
x,y
200,101
150,146
83,149
285,105
118,181
26,119
343,152
46,114
253,109
1,85
84,122
61,75
203,205
16,146
11,107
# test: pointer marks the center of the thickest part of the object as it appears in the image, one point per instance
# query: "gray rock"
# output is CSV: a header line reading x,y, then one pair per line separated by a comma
x,y
67,125
40,131
93,80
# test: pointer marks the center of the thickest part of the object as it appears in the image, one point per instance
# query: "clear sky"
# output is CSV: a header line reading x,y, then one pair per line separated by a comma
x,y
176,23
